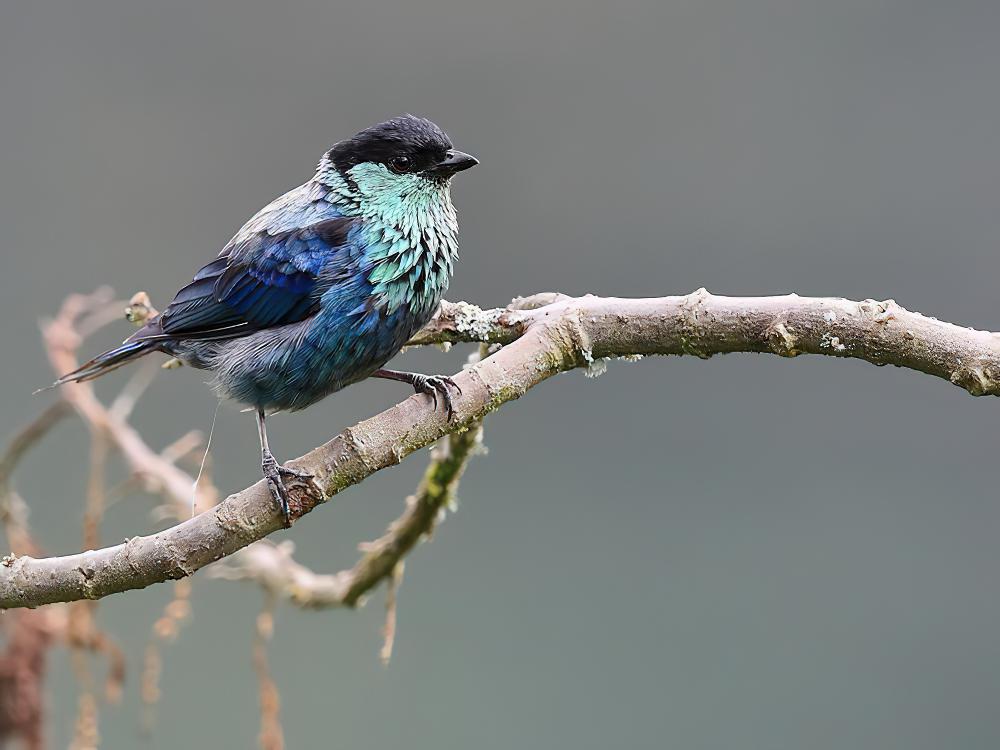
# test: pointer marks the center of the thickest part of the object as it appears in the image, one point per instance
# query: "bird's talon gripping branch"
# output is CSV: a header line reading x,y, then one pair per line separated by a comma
x,y
275,475
422,385
272,473
432,385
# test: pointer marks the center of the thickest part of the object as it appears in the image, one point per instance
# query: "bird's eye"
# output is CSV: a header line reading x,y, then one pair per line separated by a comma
x,y
400,164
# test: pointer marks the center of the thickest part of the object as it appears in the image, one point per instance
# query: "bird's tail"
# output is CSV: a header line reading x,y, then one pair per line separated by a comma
x,y
105,363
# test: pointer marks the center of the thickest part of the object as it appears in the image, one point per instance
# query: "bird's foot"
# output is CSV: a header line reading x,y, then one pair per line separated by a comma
x,y
433,385
275,475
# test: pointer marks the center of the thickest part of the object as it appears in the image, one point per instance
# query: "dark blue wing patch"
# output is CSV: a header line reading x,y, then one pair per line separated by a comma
x,y
265,281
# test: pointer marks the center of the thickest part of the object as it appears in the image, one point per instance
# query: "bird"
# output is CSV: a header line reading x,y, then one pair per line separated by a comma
x,y
321,287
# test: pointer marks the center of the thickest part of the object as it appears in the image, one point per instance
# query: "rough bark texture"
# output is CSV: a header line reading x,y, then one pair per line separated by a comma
x,y
543,336
272,565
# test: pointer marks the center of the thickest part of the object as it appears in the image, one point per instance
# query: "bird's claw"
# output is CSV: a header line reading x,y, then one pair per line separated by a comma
x,y
433,385
280,494
274,473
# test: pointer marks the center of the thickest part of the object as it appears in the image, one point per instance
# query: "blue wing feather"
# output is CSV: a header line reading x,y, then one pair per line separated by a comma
x,y
267,279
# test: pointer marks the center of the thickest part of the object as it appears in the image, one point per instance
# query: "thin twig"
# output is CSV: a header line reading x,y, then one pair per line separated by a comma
x,y
85,732
165,630
271,736
183,446
391,612
13,512
124,404
28,436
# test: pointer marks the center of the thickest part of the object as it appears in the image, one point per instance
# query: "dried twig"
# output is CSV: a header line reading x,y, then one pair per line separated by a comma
x,y
13,513
29,635
165,630
271,736
85,639
391,612
27,437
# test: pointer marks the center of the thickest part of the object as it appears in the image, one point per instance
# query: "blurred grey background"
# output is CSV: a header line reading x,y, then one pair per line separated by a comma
x,y
741,553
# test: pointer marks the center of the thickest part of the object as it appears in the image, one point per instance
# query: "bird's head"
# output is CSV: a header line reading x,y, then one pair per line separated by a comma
x,y
397,158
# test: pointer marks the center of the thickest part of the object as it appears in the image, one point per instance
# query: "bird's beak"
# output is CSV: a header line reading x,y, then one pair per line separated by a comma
x,y
455,161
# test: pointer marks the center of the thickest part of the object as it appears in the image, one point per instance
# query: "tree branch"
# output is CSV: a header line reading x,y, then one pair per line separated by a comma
x,y
541,342
272,565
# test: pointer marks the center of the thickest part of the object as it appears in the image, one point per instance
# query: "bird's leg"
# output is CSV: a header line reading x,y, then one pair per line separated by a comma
x,y
432,385
273,472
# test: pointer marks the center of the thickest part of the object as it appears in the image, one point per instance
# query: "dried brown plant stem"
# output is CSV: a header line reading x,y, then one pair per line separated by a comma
x,y
395,580
165,630
30,634
13,513
271,736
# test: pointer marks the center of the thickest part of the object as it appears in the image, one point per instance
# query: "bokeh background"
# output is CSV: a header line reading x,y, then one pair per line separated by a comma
x,y
741,553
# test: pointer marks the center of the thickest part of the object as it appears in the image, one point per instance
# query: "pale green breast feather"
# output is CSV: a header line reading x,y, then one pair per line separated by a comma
x,y
413,236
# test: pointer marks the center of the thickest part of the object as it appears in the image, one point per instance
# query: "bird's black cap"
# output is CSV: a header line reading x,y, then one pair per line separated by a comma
x,y
417,140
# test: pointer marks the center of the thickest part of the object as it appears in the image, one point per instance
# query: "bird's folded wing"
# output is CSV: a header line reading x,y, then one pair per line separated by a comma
x,y
263,281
